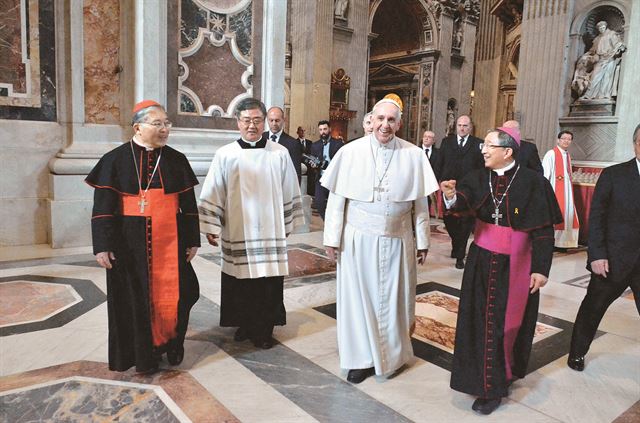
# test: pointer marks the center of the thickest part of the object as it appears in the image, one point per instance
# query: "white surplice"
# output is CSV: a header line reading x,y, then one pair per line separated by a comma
x,y
567,237
373,229
251,198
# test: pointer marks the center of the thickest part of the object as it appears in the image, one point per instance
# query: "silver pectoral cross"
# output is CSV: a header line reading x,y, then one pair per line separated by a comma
x,y
142,203
379,190
496,216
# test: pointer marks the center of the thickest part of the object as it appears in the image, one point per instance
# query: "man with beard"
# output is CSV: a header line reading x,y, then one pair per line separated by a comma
x,y
323,150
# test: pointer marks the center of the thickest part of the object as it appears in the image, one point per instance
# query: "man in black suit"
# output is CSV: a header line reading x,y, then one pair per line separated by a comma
x,y
304,143
324,149
528,155
459,155
275,119
428,141
614,249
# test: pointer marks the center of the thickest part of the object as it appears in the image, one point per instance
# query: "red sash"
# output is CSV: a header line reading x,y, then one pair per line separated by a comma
x,y
559,188
516,244
162,259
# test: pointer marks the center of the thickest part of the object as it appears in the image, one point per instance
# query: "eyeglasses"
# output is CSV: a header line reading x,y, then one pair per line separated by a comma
x,y
248,121
493,146
158,125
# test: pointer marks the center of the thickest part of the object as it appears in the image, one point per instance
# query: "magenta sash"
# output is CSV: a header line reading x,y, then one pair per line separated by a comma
x,y
516,244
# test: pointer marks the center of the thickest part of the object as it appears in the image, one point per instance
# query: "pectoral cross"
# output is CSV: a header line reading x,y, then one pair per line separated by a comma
x,y
142,203
379,190
496,216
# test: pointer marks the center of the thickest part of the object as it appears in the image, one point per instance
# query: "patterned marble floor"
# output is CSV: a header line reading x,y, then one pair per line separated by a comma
x,y
53,351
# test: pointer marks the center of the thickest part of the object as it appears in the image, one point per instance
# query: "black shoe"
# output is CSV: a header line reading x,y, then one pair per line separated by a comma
x,y
358,375
459,263
175,356
576,362
263,343
486,405
145,372
241,335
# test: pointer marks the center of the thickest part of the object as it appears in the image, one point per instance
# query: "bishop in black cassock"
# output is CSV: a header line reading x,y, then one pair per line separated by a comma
x,y
145,231
515,210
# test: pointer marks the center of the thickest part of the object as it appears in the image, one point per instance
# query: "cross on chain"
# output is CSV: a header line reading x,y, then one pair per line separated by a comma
x,y
496,216
142,203
379,190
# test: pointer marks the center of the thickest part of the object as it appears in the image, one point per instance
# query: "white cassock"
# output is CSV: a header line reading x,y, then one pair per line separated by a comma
x,y
378,194
567,237
251,198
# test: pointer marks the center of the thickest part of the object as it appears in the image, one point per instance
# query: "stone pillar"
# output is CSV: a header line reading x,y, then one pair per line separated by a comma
x,y
312,52
542,72
442,84
151,50
274,45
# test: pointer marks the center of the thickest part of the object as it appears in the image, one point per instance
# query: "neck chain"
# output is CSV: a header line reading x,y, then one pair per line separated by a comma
x,y
143,194
497,215
379,188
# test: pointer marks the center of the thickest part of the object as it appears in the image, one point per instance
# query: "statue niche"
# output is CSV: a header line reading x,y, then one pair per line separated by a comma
x,y
595,79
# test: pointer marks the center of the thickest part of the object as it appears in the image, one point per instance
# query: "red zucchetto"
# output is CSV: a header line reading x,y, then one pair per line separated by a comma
x,y
144,104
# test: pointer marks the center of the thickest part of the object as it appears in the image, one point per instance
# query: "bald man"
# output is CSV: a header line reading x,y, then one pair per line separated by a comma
x,y
528,155
459,155
275,119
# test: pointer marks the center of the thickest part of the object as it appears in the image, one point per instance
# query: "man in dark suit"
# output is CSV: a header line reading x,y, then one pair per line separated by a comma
x,y
528,155
614,249
304,142
324,149
275,119
459,155
429,148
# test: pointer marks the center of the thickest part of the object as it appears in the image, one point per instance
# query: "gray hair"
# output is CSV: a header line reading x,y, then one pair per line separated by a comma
x,y
506,140
368,114
636,133
250,104
141,115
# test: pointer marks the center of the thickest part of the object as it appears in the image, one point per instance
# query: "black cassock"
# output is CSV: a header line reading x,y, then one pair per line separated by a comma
x,y
530,206
129,237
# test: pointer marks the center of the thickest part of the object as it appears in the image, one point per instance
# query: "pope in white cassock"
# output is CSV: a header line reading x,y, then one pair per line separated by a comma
x,y
250,202
378,186
557,169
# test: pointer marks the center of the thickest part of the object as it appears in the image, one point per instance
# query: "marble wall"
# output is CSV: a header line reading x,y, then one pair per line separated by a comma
x,y
102,66
29,135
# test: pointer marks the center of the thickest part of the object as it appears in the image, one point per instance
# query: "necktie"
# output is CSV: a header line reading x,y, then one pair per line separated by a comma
x,y
428,151
274,137
460,142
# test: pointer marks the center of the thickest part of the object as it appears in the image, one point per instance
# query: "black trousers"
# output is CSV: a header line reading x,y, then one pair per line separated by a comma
x,y
600,294
322,194
459,229
253,304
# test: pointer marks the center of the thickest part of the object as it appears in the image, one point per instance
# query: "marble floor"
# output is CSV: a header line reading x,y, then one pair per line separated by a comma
x,y
53,351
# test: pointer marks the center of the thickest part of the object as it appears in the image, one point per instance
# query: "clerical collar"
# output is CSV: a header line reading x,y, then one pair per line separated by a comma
x,y
508,167
261,143
142,145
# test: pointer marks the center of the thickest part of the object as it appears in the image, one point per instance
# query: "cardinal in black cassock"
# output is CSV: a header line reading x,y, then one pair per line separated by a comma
x,y
145,232
515,210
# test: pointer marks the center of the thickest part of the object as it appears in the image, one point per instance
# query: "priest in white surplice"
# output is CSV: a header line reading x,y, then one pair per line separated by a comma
x,y
250,202
378,186
557,169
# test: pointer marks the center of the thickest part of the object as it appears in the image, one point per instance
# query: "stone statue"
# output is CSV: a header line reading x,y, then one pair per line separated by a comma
x,y
600,63
340,8
451,121
457,37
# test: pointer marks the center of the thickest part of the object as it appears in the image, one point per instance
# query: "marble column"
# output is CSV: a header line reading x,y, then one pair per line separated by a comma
x,y
442,78
312,52
274,23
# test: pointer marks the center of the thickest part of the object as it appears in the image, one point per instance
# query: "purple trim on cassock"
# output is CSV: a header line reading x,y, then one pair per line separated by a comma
x,y
517,245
